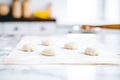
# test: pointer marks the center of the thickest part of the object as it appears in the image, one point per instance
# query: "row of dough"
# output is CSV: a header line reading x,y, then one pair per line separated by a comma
x,y
70,45
52,52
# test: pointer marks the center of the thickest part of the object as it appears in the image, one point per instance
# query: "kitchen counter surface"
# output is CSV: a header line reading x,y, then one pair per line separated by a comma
x,y
59,72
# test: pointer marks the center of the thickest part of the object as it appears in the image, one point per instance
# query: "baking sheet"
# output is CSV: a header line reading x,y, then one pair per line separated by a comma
x,y
64,56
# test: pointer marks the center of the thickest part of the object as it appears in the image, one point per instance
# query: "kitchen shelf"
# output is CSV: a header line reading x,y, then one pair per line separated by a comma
x,y
10,19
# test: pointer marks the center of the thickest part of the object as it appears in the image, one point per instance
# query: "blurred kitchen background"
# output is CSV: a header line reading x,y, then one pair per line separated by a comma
x,y
20,18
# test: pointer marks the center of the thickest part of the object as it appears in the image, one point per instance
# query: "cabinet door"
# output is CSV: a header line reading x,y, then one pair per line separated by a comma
x,y
42,28
48,28
34,28
10,28
23,28
15,28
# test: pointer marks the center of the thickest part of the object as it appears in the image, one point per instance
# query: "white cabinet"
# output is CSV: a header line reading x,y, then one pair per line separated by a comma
x,y
34,28
10,28
42,28
29,28
23,28
15,28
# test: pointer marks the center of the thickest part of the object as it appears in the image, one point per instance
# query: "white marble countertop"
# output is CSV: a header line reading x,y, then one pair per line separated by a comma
x,y
70,72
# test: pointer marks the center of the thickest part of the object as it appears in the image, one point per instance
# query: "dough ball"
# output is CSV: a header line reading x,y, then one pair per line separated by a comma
x,y
91,52
47,42
28,48
71,46
49,52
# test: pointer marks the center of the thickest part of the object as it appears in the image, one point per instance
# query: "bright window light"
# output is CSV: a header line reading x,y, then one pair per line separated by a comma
x,y
112,10
82,10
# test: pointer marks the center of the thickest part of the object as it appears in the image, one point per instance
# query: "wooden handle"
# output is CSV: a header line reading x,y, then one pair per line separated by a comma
x,y
114,26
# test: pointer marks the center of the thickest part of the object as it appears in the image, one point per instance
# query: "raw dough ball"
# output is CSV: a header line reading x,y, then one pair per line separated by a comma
x,y
71,46
91,52
28,48
47,43
49,52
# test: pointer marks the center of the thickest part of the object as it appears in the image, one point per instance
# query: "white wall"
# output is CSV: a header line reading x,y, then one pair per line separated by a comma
x,y
112,10
82,10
